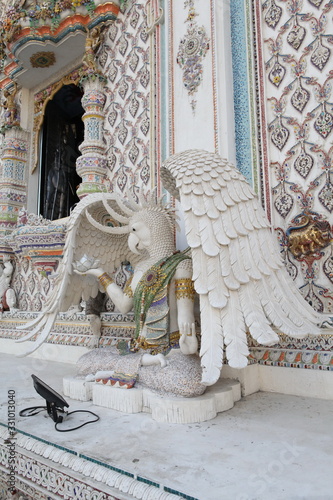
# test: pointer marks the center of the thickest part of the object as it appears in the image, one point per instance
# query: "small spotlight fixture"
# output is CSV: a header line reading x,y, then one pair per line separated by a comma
x,y
55,404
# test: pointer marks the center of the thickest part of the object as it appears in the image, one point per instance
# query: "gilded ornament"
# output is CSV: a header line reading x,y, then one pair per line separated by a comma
x,y
93,42
184,289
128,290
105,280
153,279
308,235
42,59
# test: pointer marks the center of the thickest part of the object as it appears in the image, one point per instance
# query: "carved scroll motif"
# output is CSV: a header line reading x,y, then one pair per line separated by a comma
x,y
155,15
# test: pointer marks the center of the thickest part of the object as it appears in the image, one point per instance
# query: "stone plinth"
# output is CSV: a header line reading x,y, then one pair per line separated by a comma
x,y
177,410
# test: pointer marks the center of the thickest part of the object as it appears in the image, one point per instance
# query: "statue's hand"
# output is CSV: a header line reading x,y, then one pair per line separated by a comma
x,y
93,271
188,341
88,265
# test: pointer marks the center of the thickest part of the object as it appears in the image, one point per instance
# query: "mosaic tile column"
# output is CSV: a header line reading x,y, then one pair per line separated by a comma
x,y
92,165
12,178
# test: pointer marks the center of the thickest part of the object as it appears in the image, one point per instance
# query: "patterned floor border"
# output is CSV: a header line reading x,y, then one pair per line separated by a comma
x,y
72,474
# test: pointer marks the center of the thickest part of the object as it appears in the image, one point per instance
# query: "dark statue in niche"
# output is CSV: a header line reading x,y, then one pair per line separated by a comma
x,y
62,134
11,108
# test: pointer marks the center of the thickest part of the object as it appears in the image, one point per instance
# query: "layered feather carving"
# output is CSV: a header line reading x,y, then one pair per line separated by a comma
x,y
81,238
237,270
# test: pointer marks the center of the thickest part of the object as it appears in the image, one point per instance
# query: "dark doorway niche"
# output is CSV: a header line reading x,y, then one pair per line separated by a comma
x,y
62,133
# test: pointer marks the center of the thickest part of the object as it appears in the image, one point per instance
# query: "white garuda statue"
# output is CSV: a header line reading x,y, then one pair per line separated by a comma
x,y
232,264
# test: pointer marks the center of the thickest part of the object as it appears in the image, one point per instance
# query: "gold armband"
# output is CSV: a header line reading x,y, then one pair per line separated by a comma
x,y
128,290
184,289
105,280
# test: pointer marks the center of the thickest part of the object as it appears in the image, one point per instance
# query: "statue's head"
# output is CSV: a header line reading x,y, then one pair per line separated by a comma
x,y
148,224
148,227
140,237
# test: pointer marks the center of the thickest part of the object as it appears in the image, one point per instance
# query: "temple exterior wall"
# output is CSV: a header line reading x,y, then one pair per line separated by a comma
x,y
257,92
249,80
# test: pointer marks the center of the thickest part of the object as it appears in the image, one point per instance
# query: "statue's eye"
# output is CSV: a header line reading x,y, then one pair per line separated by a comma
x,y
133,229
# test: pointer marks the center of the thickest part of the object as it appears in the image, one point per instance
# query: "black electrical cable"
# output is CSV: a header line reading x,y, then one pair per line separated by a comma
x,y
79,426
32,410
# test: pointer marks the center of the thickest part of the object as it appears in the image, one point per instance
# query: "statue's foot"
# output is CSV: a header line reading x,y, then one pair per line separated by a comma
x,y
100,374
104,374
162,360
153,359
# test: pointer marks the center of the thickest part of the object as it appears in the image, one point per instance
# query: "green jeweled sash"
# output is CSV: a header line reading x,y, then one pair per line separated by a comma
x,y
150,297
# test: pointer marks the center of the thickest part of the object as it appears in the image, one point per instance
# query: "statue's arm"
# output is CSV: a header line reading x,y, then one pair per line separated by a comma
x,y
122,301
185,295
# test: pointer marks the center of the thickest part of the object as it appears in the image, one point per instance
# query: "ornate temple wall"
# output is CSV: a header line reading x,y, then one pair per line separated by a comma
x,y
249,80
294,75
291,94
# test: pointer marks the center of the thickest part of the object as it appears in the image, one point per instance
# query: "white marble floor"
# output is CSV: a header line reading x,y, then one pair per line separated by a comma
x,y
268,447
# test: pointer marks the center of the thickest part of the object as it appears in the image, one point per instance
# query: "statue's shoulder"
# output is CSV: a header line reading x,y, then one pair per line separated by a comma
x,y
185,266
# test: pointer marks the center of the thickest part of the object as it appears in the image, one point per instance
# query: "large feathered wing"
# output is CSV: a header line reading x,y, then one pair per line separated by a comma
x,y
237,269
82,238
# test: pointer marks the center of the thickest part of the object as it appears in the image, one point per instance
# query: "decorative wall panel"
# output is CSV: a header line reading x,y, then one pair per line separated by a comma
x,y
192,49
31,286
295,60
12,178
125,61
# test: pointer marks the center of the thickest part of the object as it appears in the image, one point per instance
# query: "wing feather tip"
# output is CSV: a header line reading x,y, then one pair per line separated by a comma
x,y
268,338
238,362
210,377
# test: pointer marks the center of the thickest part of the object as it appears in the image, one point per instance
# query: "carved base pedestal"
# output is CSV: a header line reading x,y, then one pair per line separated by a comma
x,y
176,410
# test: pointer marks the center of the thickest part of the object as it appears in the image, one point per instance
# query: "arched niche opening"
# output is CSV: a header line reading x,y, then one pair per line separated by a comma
x,y
62,133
